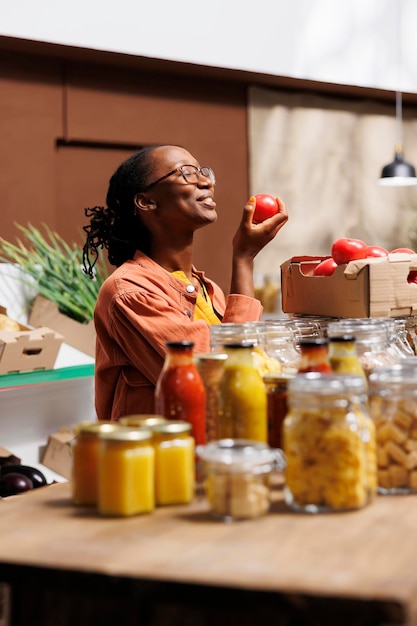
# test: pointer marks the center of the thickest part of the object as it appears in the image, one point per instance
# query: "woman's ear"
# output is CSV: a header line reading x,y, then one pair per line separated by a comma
x,y
143,203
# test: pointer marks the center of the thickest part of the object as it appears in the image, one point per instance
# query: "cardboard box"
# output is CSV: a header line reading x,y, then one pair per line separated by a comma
x,y
375,287
44,312
8,458
28,349
57,455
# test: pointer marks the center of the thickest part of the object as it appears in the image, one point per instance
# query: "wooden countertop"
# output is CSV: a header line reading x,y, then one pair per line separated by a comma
x,y
368,554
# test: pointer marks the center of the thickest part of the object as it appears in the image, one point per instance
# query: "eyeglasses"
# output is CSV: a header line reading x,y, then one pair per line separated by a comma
x,y
190,173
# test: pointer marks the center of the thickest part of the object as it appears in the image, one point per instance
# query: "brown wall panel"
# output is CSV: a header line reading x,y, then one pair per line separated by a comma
x,y
30,118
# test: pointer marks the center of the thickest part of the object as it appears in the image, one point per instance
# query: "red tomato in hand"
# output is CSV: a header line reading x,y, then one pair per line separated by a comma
x,y
266,206
374,251
345,250
325,268
406,250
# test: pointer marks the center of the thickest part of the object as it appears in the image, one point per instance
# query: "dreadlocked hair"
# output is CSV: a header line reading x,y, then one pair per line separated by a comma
x,y
116,227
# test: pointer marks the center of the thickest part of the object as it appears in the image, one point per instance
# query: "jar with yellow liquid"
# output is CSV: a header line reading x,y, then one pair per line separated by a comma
x,y
142,420
126,470
174,463
242,396
84,479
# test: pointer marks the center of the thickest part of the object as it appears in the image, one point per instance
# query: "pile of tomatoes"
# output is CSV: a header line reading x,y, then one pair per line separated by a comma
x,y
345,250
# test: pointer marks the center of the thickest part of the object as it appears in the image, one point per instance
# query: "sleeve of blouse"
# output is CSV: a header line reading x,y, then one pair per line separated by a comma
x,y
142,324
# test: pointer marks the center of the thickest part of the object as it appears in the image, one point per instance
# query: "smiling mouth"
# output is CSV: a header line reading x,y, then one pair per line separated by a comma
x,y
208,200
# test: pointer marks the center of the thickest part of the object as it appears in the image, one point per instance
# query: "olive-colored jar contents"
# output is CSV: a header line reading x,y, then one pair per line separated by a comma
x,y
126,472
329,443
237,477
276,386
174,463
393,407
211,366
242,396
371,341
343,356
314,356
84,479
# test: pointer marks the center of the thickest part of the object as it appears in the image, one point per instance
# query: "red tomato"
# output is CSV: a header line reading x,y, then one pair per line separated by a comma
x,y
406,250
373,251
412,276
325,268
266,206
345,250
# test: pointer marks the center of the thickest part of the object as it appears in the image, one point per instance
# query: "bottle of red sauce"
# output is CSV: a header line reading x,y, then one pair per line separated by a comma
x,y
180,393
314,356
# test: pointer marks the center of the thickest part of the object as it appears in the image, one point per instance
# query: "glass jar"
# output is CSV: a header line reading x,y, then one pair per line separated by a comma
x,y
411,330
278,340
211,366
85,446
126,472
343,356
371,341
400,344
220,334
314,356
242,396
276,386
142,420
174,463
180,393
237,477
329,444
393,407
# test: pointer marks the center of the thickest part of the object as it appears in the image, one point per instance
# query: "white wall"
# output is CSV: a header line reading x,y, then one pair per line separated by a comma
x,y
351,42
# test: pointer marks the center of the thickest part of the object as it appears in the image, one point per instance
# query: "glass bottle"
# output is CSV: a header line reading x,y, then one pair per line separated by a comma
x,y
180,393
329,444
343,356
314,356
174,463
276,386
126,472
211,366
85,446
393,407
242,396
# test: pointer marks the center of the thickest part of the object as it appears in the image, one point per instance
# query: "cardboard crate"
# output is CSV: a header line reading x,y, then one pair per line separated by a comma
x,y
44,312
57,455
28,349
375,287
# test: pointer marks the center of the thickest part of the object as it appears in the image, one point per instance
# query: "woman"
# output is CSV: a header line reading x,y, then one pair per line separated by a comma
x,y
156,201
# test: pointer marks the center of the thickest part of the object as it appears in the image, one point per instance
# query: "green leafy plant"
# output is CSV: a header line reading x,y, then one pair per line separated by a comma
x,y
48,263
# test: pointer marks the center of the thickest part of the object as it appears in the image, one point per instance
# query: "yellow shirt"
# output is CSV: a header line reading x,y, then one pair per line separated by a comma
x,y
204,306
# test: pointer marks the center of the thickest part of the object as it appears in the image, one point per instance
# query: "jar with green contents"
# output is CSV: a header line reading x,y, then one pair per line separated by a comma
x,y
242,396
329,444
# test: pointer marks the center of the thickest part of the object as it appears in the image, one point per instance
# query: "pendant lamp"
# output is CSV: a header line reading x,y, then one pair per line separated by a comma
x,y
399,173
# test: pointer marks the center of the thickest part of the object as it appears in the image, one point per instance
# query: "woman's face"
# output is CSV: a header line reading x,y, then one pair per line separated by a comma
x,y
175,201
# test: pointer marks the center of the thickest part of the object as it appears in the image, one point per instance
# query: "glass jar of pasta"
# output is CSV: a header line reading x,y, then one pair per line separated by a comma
x,y
329,444
393,407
